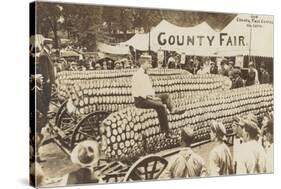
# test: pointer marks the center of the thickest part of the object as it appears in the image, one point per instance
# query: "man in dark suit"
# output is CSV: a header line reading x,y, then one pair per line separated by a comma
x,y
264,78
46,69
236,79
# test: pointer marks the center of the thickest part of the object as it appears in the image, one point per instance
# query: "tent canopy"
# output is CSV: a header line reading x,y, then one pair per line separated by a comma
x,y
117,50
244,35
138,41
256,33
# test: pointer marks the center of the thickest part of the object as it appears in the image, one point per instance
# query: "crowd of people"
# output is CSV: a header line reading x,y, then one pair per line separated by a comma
x,y
252,151
227,68
253,142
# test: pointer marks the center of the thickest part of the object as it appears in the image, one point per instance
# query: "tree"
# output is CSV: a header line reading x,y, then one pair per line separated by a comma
x,y
147,18
85,21
48,15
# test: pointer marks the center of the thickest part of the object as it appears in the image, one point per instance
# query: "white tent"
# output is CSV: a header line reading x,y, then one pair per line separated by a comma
x,y
237,38
167,36
138,41
118,50
190,40
255,33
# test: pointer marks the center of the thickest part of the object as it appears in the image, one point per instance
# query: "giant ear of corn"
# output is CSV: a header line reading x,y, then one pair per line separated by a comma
x,y
132,132
110,91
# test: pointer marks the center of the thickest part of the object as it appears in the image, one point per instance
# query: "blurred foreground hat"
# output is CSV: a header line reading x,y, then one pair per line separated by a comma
x,y
86,153
187,134
219,129
251,127
252,117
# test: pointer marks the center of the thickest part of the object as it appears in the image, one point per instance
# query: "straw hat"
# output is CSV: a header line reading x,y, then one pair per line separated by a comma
x,y
86,153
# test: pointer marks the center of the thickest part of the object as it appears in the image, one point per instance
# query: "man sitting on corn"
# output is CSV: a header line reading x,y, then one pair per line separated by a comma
x,y
145,97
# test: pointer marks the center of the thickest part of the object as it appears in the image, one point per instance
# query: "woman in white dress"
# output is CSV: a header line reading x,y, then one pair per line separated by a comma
x,y
220,159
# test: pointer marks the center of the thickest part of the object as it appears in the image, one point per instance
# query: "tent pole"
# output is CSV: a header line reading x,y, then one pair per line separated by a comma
x,y
250,45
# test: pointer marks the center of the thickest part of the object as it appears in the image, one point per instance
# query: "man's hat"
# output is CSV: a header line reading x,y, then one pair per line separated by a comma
x,y
251,127
86,153
219,129
251,63
252,117
231,62
187,134
127,65
171,59
97,65
145,56
236,72
48,41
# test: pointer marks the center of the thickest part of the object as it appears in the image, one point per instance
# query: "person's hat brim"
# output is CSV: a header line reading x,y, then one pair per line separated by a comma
x,y
85,144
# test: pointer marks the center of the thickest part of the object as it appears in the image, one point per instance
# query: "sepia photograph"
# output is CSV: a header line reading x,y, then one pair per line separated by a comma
x,y
125,94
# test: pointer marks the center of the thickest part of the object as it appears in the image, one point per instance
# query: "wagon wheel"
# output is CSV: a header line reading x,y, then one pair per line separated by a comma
x,y
63,119
88,128
54,97
146,168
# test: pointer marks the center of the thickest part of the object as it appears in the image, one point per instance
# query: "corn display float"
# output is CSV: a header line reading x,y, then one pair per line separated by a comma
x,y
132,132
110,90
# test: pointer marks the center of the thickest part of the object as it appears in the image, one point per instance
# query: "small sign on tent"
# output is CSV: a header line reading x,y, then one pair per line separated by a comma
x,y
239,61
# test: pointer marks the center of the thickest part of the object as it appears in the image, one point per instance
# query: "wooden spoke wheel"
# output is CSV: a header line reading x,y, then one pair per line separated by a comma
x,y
146,168
64,120
54,97
88,128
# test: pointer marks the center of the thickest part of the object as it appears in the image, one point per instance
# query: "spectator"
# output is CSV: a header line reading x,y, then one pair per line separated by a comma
x,y
251,75
213,68
98,66
267,137
186,163
223,71
264,78
207,66
190,65
110,65
230,65
201,69
104,65
220,159
86,156
236,79
118,65
238,139
252,157
171,63
91,63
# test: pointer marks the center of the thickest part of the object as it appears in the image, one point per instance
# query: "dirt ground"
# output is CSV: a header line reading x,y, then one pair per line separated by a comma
x,y
58,164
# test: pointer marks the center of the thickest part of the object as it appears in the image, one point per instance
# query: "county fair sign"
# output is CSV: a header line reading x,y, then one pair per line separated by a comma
x,y
223,39
245,35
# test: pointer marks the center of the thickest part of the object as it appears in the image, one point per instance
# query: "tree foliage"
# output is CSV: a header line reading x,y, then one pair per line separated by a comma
x,y
82,22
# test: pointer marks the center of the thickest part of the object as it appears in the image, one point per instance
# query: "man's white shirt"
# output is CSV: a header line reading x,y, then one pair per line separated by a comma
x,y
141,84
